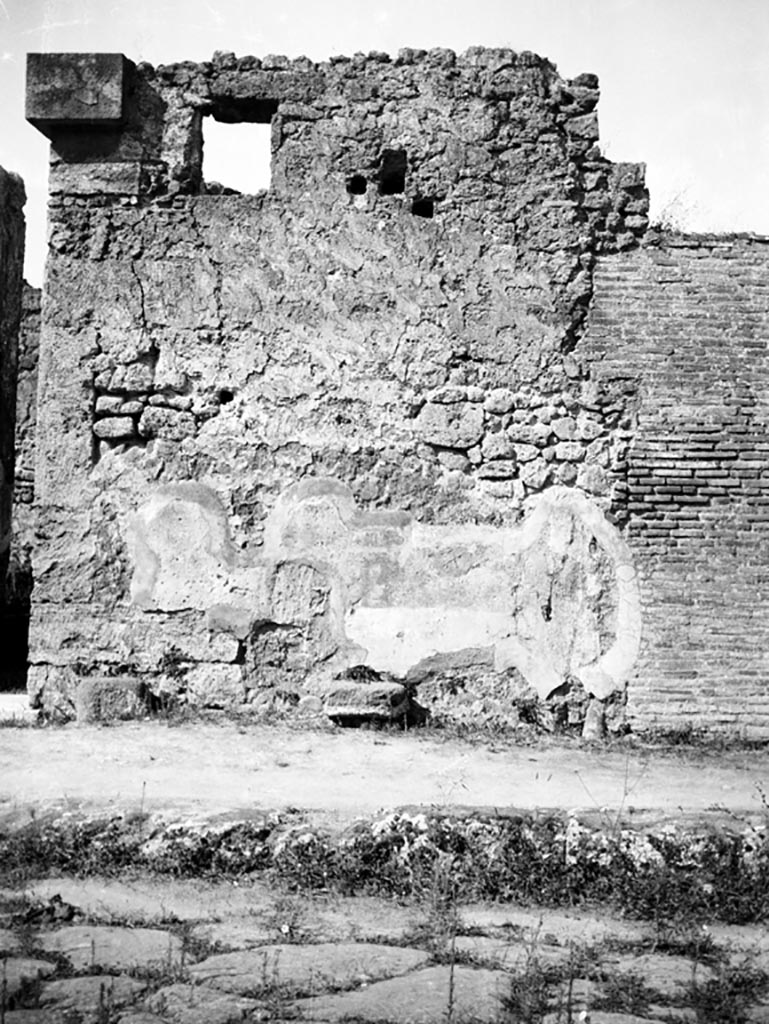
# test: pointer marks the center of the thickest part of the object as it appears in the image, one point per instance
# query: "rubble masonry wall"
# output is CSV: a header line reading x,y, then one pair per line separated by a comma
x,y
355,419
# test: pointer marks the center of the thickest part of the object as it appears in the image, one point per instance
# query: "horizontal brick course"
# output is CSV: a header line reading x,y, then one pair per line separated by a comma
x,y
690,323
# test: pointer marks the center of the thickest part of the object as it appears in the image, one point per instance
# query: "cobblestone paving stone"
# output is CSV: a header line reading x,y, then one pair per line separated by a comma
x,y
114,948
314,967
176,973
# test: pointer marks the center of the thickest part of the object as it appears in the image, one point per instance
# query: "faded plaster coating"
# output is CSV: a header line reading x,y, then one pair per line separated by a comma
x,y
554,598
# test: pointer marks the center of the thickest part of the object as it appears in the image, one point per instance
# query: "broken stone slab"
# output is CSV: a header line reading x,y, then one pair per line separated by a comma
x,y
113,947
382,700
17,972
193,1004
89,995
418,998
594,726
309,968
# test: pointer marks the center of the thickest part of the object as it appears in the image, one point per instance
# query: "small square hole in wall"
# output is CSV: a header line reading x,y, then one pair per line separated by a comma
x,y
423,207
356,185
237,156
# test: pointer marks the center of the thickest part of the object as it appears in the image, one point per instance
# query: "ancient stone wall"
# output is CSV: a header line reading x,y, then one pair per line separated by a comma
x,y
12,200
18,581
26,395
351,420
682,325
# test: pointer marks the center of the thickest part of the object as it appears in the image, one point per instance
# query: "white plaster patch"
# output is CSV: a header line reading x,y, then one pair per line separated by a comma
x,y
556,597
396,639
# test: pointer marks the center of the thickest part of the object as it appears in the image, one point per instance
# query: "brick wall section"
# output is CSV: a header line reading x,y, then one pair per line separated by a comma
x,y
683,328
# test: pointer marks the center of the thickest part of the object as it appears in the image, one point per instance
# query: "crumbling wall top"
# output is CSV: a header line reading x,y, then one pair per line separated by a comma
x,y
488,128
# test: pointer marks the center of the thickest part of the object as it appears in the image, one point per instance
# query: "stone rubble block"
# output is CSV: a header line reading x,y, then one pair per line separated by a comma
x,y
593,479
114,428
132,377
114,948
497,446
171,424
537,434
215,686
564,428
378,700
569,451
459,425
535,474
499,401
499,469
525,452
106,404
588,429
448,395
108,699
132,408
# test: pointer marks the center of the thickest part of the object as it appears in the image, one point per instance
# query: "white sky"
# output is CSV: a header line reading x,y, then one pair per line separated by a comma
x,y
684,83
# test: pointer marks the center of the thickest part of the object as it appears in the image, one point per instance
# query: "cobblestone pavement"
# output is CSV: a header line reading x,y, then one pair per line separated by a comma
x,y
143,951
140,949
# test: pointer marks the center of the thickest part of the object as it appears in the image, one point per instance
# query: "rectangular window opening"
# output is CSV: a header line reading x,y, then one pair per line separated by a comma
x,y
392,172
236,156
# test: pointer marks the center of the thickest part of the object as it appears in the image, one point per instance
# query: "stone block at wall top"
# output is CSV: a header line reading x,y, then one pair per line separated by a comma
x,y
75,90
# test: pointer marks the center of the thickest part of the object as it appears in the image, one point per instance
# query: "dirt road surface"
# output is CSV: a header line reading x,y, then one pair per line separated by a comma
x,y
211,769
